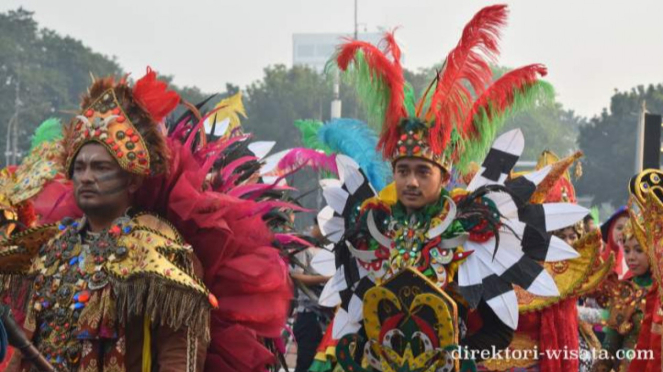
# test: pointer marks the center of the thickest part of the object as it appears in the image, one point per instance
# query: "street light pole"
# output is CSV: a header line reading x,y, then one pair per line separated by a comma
x,y
8,141
11,138
17,107
356,24
640,137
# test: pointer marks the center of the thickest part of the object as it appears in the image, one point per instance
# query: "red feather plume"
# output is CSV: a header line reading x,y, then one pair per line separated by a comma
x,y
499,96
467,63
392,47
153,95
391,73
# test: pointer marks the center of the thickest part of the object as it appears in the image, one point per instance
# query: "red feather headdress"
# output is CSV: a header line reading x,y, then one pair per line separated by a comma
x,y
450,119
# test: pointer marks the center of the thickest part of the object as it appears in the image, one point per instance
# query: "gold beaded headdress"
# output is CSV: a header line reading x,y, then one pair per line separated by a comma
x,y
125,121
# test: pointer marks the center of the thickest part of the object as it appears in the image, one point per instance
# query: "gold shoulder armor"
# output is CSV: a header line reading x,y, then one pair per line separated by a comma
x,y
153,263
18,251
154,248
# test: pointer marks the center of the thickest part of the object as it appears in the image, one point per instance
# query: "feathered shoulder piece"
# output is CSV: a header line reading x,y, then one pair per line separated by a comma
x,y
456,118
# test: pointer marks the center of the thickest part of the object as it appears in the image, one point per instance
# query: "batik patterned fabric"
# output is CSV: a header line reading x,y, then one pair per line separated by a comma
x,y
410,323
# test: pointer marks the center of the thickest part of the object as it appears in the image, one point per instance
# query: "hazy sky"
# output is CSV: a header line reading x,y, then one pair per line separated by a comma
x,y
590,47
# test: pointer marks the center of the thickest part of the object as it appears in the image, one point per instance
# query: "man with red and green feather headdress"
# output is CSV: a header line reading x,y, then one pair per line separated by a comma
x,y
422,270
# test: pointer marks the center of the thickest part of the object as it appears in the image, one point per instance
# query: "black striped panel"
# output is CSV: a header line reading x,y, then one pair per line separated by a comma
x,y
346,296
363,192
494,286
534,215
498,162
522,189
523,272
363,286
535,243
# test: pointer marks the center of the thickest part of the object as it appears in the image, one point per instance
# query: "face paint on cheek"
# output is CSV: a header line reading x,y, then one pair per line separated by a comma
x,y
111,183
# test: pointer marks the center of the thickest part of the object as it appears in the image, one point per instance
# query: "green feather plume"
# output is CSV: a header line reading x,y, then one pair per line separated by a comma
x,y
594,212
409,99
309,130
48,131
475,149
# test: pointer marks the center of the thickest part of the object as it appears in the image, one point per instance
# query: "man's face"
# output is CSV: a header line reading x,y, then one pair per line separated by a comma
x,y
100,184
418,182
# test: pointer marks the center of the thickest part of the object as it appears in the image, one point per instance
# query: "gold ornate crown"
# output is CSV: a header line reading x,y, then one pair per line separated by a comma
x,y
106,123
125,121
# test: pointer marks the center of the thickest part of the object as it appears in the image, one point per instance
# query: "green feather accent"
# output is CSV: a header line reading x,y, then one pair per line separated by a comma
x,y
48,131
309,130
594,212
475,149
410,100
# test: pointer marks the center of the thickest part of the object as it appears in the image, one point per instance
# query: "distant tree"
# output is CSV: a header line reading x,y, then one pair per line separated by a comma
x,y
47,73
284,95
608,142
50,72
547,127
420,79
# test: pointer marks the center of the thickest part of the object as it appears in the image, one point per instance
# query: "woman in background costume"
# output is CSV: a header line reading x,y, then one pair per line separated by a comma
x,y
646,190
612,231
627,297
